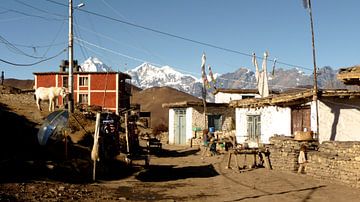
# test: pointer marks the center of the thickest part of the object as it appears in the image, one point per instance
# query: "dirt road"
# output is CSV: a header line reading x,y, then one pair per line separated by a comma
x,y
179,174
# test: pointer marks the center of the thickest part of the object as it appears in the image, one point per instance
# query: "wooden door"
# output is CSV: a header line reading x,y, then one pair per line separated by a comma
x,y
300,119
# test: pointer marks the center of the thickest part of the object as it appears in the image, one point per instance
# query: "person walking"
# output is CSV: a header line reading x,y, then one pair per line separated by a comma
x,y
302,159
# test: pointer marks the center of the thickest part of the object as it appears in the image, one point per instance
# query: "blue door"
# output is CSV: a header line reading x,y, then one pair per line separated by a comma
x,y
180,126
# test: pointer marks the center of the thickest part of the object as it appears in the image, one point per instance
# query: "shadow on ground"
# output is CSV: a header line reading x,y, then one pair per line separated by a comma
x,y
173,153
143,192
160,173
22,159
311,189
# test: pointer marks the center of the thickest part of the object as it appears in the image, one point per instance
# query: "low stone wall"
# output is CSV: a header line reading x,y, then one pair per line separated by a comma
x,y
333,161
338,161
284,152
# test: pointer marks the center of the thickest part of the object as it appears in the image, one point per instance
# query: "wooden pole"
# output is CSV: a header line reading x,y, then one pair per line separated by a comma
x,y
315,96
204,103
95,151
127,133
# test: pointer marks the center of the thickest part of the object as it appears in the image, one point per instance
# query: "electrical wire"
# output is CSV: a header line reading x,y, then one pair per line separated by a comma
x,y
141,46
39,46
38,9
14,49
35,63
53,41
179,37
32,15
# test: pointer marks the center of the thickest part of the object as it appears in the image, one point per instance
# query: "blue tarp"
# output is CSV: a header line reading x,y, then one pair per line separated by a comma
x,y
53,126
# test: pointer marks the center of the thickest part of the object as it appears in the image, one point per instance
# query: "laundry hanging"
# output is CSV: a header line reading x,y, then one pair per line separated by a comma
x,y
261,76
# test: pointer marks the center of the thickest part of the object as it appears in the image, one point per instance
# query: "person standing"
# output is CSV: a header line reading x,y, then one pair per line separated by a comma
x,y
302,159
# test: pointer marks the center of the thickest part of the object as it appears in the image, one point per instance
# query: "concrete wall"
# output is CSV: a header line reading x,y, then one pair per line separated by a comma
x,y
189,124
339,119
274,120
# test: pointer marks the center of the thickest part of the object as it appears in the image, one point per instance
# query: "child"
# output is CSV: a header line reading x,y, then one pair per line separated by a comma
x,y
302,159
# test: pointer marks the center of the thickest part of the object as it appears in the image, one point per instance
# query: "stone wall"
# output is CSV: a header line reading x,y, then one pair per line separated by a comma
x,y
331,160
284,152
339,161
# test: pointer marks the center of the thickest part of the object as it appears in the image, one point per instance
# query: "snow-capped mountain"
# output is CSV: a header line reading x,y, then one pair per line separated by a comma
x,y
147,75
93,64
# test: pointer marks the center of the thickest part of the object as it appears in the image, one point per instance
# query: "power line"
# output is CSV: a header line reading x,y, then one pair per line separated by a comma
x,y
37,46
181,37
38,9
35,63
13,48
31,15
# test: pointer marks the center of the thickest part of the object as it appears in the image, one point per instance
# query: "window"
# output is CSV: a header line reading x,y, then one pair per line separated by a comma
x,y
83,81
248,96
254,127
83,98
215,121
65,81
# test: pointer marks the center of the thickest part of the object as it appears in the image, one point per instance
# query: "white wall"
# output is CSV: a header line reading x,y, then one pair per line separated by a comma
x,y
171,126
339,119
221,97
189,124
274,120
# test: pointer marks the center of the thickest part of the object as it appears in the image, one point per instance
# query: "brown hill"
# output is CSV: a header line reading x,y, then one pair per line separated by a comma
x,y
20,84
151,100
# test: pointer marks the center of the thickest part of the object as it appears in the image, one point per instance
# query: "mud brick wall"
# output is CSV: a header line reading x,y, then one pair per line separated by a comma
x,y
331,160
284,152
336,161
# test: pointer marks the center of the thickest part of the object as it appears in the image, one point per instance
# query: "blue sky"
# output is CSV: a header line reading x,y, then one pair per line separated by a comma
x,y
281,27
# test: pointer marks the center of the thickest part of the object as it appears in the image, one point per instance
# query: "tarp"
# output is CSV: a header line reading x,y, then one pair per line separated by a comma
x,y
53,126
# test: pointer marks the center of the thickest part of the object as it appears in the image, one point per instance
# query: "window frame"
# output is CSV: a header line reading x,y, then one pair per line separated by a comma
x,y
83,81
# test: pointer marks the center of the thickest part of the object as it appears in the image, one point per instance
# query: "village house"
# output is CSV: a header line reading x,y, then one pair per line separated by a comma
x,y
187,120
110,90
259,119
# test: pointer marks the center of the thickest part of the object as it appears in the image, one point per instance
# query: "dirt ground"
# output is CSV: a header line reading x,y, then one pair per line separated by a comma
x,y
27,172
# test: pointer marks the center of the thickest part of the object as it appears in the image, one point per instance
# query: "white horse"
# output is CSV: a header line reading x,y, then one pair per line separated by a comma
x,y
50,94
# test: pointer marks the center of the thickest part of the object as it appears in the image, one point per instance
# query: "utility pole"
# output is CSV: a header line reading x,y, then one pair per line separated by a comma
x,y
71,52
315,95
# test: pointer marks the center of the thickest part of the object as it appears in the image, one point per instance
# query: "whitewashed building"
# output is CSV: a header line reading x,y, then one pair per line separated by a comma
x,y
187,119
259,119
